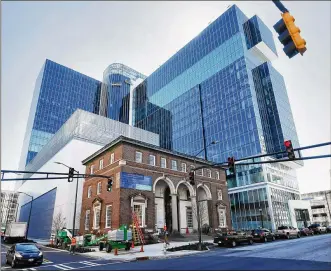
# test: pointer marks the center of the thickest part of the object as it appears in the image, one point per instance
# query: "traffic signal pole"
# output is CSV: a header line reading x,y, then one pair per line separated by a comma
x,y
280,6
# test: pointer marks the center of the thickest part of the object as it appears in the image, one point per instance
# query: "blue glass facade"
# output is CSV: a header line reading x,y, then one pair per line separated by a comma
x,y
59,92
42,207
217,88
118,92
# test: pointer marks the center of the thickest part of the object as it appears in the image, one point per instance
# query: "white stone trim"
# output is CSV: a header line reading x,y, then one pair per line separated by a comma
x,y
168,181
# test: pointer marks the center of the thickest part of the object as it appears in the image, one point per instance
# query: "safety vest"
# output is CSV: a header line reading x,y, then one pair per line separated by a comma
x,y
73,241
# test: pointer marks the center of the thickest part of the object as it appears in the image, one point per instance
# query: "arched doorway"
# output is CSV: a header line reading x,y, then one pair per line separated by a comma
x,y
168,208
203,197
165,204
186,215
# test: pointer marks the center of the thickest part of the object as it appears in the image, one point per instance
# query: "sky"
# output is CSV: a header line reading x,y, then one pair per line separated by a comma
x,y
87,36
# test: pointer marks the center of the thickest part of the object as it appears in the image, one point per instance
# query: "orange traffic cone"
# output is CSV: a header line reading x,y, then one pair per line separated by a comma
x,y
132,244
142,248
187,232
115,252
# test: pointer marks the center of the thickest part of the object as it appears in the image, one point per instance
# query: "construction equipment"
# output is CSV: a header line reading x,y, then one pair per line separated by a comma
x,y
117,239
63,238
90,241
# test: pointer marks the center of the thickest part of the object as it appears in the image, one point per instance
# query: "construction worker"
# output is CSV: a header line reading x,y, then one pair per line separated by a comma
x,y
166,235
73,246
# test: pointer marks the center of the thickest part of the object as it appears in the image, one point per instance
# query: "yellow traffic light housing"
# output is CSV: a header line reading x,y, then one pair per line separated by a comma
x,y
294,32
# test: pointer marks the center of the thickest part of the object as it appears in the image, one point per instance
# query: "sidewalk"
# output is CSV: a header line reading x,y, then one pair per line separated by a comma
x,y
154,251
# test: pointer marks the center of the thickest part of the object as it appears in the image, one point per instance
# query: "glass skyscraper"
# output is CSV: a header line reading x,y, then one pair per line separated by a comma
x,y
59,91
221,86
118,81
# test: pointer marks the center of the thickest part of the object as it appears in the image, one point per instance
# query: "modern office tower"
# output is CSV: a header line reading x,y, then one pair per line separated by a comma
x,y
320,203
221,86
59,91
118,81
8,206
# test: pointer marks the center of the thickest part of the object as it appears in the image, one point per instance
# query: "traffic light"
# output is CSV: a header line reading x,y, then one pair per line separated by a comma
x,y
289,149
110,185
71,175
191,177
289,35
231,166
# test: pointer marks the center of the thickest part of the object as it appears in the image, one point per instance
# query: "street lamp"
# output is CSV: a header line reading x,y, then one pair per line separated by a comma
x,y
74,220
196,192
261,217
27,230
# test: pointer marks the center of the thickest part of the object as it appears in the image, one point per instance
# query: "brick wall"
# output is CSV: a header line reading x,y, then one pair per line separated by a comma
x,y
120,198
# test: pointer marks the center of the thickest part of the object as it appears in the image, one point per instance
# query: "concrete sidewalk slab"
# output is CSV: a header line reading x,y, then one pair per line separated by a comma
x,y
153,251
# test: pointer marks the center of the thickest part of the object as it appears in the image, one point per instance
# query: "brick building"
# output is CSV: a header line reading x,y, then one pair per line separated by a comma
x,y
153,182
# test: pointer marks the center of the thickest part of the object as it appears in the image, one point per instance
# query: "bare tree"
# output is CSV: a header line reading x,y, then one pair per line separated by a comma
x,y
203,211
58,223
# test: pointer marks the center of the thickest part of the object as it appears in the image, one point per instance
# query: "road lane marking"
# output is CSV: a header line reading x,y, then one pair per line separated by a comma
x,y
33,269
66,266
60,267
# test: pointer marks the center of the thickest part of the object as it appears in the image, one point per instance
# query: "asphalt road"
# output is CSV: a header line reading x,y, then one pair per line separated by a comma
x,y
55,260
306,253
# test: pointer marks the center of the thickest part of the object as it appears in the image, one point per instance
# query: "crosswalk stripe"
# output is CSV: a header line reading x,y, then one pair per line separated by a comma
x,y
89,263
66,266
60,267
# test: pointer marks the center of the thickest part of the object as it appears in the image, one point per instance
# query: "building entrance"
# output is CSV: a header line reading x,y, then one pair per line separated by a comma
x,y
168,209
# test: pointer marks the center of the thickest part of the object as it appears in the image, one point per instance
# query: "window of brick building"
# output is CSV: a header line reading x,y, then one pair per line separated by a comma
x,y
219,194
217,175
87,220
139,157
173,164
92,169
101,164
222,216
151,160
99,188
208,173
200,172
112,158
96,220
108,216
89,191
163,162
189,217
183,167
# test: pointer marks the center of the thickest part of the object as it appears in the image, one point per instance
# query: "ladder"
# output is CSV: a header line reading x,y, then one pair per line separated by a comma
x,y
137,234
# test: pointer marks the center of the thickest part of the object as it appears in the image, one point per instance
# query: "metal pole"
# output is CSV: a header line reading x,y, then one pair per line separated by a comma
x,y
280,6
73,226
198,213
197,196
261,217
326,198
27,230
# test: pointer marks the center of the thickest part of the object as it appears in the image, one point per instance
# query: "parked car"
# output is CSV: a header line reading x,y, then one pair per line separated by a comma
x,y
263,235
317,228
233,239
328,229
306,232
287,232
24,253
